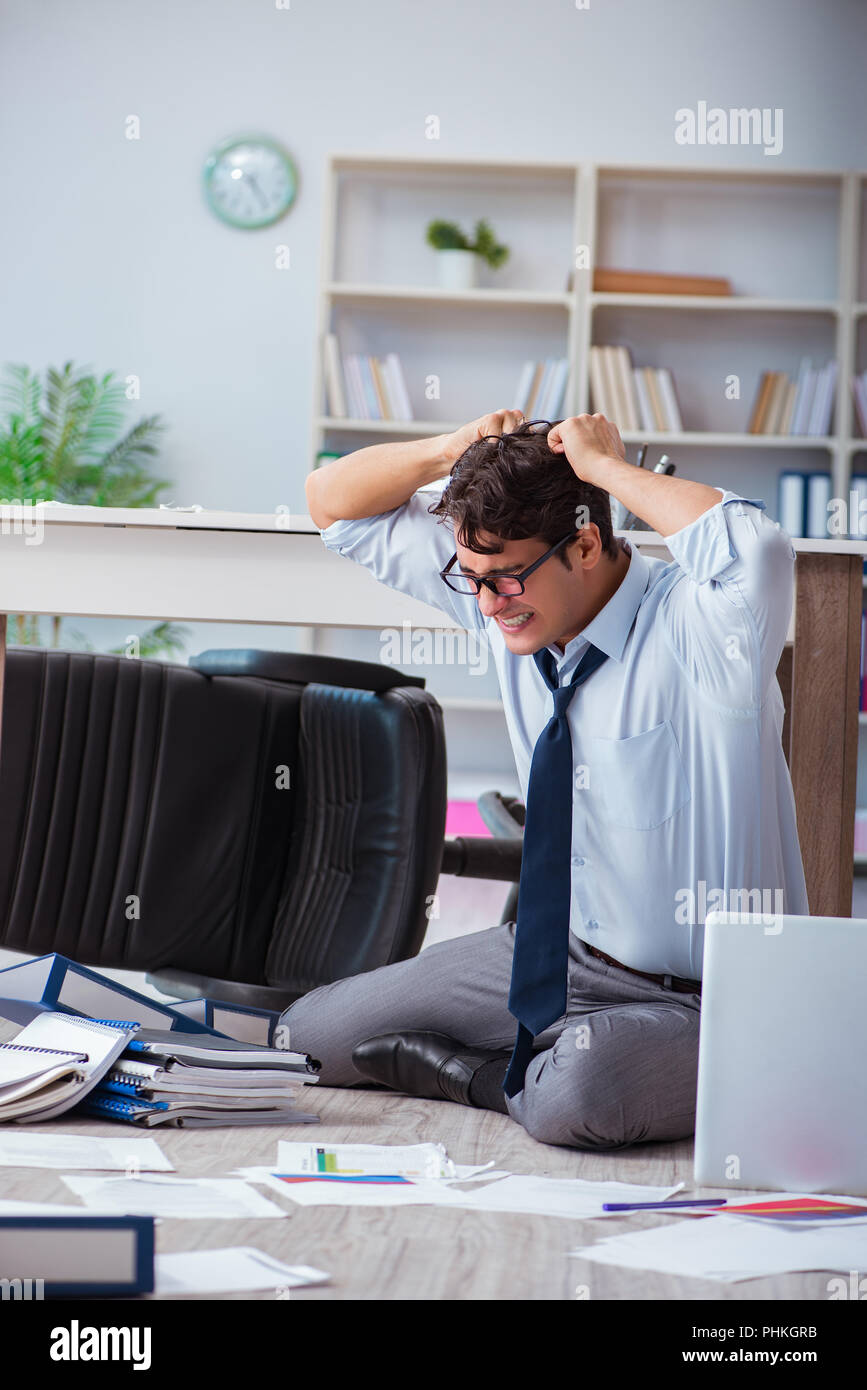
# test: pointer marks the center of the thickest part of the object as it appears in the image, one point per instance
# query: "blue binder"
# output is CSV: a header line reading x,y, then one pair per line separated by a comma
x,y
141,1229
60,983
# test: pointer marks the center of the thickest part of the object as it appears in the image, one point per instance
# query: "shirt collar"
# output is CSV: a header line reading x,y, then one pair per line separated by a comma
x,y
613,623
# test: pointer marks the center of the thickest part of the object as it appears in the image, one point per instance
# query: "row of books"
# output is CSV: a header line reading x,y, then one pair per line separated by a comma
x,y
540,389
801,407
364,388
635,398
804,506
859,392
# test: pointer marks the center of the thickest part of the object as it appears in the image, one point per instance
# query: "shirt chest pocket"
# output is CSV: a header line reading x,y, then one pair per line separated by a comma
x,y
637,782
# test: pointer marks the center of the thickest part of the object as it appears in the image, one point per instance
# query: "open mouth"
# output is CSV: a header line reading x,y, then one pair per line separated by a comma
x,y
516,622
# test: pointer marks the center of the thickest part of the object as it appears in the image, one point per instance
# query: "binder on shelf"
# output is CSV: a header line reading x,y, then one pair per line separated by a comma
x,y
792,502
818,497
858,507
75,1255
60,983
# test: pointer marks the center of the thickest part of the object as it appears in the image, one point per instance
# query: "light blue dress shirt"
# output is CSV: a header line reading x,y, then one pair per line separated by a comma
x,y
682,798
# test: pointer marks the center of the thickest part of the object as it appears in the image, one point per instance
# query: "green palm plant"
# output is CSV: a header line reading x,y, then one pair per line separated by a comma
x,y
59,441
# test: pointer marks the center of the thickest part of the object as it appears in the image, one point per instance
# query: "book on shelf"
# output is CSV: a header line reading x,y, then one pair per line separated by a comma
x,y
800,407
359,387
541,387
607,281
859,395
634,398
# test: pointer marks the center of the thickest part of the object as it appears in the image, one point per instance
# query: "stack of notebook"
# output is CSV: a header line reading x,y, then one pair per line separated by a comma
x,y
166,1078
51,1061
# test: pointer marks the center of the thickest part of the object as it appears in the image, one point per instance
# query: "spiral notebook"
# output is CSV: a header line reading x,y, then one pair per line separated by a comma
x,y
51,1063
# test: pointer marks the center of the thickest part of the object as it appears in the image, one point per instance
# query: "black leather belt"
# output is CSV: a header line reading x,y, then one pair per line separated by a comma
x,y
669,981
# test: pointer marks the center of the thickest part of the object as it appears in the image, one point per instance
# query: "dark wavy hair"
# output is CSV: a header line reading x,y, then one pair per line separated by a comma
x,y
512,486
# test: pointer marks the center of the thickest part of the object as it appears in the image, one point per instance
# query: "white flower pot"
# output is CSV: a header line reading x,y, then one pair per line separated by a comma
x,y
457,269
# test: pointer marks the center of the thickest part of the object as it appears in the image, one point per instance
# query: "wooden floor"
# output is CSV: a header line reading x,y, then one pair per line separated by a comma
x,y
426,1252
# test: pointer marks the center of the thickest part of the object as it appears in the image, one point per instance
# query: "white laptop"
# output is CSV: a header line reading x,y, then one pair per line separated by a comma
x,y
782,1066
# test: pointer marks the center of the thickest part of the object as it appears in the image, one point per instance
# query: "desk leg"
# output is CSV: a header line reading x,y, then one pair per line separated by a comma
x,y
824,724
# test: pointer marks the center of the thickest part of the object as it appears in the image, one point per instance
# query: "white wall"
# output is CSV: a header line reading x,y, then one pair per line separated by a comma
x,y
111,258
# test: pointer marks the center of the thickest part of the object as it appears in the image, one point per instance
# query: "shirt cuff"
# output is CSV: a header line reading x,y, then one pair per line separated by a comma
x,y
705,548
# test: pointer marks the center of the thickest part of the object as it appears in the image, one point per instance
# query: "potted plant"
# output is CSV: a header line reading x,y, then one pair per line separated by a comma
x,y
458,257
62,440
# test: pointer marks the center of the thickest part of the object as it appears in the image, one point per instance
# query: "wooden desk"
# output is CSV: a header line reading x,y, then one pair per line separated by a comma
x,y
272,568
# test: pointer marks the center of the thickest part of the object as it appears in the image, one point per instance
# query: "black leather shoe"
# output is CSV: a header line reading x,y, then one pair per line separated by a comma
x,y
430,1065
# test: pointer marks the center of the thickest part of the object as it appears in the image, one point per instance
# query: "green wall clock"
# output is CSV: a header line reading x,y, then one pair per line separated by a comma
x,y
250,181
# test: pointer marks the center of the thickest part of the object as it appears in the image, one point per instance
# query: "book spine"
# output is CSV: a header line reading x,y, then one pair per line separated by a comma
x,y
627,388
597,384
612,385
404,403
522,389
655,400
379,388
645,408
533,395
666,390
799,417
760,406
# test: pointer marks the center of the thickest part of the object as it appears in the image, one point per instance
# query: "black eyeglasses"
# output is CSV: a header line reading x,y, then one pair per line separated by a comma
x,y
502,584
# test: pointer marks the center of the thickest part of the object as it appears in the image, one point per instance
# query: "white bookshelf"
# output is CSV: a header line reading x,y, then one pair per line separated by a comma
x,y
792,242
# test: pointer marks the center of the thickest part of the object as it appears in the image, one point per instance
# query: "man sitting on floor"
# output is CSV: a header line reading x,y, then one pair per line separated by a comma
x,y
645,717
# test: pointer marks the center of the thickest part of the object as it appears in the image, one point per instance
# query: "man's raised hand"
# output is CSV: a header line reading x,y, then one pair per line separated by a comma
x,y
500,422
587,441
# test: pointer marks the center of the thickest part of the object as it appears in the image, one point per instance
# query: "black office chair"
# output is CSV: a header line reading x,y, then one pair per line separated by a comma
x,y
248,827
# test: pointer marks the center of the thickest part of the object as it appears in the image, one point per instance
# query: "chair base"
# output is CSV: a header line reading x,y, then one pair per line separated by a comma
x,y
183,984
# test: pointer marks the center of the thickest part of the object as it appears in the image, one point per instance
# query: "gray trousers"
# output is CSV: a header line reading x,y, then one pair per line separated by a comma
x,y
619,1068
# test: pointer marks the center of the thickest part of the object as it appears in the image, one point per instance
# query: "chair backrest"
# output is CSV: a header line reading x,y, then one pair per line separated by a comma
x,y
278,831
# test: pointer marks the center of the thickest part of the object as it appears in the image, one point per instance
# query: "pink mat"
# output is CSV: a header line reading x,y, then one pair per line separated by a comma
x,y
462,818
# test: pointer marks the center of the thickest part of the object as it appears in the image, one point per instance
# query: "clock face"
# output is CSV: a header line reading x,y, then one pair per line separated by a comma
x,y
250,182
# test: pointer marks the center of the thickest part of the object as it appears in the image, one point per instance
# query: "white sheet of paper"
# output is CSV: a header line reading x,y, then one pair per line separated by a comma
x,y
536,1196
212,1198
231,1270
414,1193
569,1197
33,1150
732,1249
409,1160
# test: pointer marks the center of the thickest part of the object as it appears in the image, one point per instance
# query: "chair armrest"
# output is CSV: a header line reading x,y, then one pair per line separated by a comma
x,y
477,856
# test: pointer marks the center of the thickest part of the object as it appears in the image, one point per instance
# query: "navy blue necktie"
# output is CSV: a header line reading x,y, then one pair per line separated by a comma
x,y
540,962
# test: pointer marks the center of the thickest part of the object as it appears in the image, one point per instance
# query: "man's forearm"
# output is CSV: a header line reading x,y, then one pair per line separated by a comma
x,y
376,479
665,504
